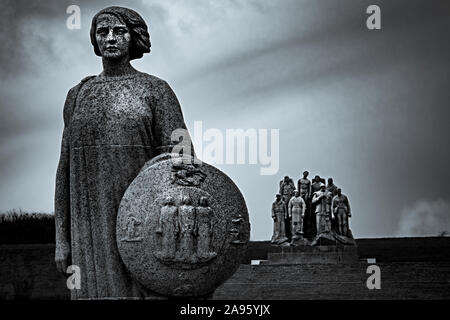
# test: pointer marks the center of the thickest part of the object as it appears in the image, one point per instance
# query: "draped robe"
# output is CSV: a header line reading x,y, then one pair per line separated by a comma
x,y
112,127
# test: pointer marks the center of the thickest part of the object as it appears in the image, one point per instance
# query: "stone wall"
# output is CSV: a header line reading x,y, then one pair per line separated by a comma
x,y
411,268
399,280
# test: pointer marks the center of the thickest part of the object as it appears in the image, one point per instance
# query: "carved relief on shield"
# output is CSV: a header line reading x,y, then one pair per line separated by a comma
x,y
132,229
186,174
185,230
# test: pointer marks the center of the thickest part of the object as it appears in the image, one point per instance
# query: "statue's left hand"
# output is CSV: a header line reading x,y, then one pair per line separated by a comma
x,y
62,256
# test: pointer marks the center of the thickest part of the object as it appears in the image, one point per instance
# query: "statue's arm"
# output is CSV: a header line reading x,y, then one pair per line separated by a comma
x,y
315,198
333,206
292,184
303,207
290,204
348,206
62,191
168,121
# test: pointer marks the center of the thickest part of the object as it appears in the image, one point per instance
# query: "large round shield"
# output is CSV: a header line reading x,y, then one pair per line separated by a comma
x,y
182,227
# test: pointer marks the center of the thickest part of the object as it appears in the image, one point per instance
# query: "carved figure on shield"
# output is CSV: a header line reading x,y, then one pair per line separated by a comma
x,y
168,228
204,226
186,214
236,230
133,229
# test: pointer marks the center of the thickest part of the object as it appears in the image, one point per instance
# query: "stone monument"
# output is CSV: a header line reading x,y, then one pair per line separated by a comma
x,y
182,228
319,224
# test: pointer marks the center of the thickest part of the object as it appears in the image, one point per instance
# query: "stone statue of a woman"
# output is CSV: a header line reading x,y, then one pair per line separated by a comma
x,y
113,124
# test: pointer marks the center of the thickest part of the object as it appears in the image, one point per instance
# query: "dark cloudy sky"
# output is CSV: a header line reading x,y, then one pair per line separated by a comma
x,y
369,108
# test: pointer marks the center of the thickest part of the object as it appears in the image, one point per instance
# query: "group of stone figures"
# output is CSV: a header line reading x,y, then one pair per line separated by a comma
x,y
185,230
313,213
189,226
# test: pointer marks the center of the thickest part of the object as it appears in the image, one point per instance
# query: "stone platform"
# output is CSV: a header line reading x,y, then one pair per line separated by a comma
x,y
281,255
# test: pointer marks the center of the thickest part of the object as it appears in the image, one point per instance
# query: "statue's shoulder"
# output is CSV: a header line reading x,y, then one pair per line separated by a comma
x,y
158,86
75,89
72,96
154,81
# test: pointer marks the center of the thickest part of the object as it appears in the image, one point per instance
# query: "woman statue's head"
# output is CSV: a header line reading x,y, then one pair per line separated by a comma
x,y
118,32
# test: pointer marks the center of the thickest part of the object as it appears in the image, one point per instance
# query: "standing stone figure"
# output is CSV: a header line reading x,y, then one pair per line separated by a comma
x,y
278,216
331,187
168,228
316,184
186,213
341,210
204,225
296,211
311,219
114,123
304,186
321,199
287,189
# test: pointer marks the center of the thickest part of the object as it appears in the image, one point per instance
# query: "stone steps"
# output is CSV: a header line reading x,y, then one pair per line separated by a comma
x,y
398,281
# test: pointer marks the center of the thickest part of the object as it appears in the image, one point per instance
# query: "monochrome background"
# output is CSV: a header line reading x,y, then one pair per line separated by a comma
x,y
368,108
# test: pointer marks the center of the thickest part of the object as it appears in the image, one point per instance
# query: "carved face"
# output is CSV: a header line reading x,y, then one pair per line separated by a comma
x,y
305,174
297,193
113,37
339,192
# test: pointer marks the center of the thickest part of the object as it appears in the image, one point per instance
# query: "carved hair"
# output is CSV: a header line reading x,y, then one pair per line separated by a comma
x,y
140,38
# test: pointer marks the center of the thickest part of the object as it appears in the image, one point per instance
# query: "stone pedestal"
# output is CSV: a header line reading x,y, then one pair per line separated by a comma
x,y
278,255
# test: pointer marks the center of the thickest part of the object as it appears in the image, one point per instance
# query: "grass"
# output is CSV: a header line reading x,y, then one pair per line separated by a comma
x,y
20,227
